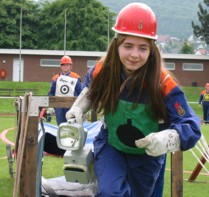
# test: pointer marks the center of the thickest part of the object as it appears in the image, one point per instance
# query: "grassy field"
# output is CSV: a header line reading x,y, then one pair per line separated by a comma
x,y
52,166
43,87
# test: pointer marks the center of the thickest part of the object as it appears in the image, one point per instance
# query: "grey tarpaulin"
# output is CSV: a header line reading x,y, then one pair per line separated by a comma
x,y
63,188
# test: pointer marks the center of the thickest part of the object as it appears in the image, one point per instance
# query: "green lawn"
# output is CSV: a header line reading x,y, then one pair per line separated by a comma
x,y
52,166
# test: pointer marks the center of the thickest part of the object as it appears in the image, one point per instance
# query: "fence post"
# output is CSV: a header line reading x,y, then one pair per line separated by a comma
x,y
177,174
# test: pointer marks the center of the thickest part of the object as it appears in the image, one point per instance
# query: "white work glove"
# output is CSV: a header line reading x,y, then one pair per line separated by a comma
x,y
159,143
79,107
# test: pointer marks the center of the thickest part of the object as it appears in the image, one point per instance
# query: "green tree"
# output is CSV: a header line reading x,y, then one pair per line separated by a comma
x,y
202,30
86,25
187,48
10,24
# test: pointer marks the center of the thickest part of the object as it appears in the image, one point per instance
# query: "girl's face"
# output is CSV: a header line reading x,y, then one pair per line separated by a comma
x,y
133,52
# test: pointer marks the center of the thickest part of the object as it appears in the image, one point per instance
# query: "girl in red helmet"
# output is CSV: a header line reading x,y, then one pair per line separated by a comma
x,y
145,112
204,101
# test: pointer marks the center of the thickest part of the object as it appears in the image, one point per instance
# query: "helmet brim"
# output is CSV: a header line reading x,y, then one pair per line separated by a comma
x,y
135,34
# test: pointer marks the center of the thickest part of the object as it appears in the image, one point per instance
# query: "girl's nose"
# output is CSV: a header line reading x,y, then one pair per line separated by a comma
x,y
135,52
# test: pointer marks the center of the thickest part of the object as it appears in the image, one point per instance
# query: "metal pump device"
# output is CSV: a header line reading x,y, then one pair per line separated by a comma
x,y
78,159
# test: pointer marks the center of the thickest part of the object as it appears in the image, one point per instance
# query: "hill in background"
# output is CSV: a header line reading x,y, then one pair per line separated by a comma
x,y
174,16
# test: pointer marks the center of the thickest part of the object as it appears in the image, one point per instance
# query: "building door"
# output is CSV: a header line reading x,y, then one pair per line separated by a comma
x,y
17,70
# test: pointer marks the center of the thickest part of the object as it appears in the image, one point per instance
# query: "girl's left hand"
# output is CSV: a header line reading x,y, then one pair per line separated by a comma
x,y
159,143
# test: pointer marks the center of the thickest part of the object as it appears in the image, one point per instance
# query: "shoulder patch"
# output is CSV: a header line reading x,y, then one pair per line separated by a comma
x,y
179,109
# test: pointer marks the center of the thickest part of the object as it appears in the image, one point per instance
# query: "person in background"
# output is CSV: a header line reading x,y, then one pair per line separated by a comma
x,y
65,83
146,114
204,101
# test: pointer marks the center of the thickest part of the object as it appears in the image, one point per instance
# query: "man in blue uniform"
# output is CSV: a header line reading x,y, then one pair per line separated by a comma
x,y
204,100
65,83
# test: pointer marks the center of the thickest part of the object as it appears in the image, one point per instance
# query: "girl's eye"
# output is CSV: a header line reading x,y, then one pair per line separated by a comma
x,y
127,46
143,48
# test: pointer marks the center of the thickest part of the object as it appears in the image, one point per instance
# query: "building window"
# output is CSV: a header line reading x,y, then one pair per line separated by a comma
x,y
50,62
91,63
170,65
192,66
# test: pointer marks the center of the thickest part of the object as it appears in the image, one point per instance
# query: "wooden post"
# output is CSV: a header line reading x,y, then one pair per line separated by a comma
x,y
177,174
29,169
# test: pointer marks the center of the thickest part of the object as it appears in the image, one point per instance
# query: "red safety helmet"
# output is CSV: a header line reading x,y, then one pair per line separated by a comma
x,y
136,19
66,60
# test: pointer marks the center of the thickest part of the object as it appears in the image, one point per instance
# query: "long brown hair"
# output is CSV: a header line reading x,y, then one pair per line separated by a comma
x,y
107,85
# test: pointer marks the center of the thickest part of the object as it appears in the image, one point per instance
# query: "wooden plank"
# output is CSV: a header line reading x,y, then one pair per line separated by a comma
x,y
18,104
177,174
197,170
19,155
61,102
21,147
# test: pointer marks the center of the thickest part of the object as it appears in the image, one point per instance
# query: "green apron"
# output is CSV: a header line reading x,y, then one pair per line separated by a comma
x,y
127,125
